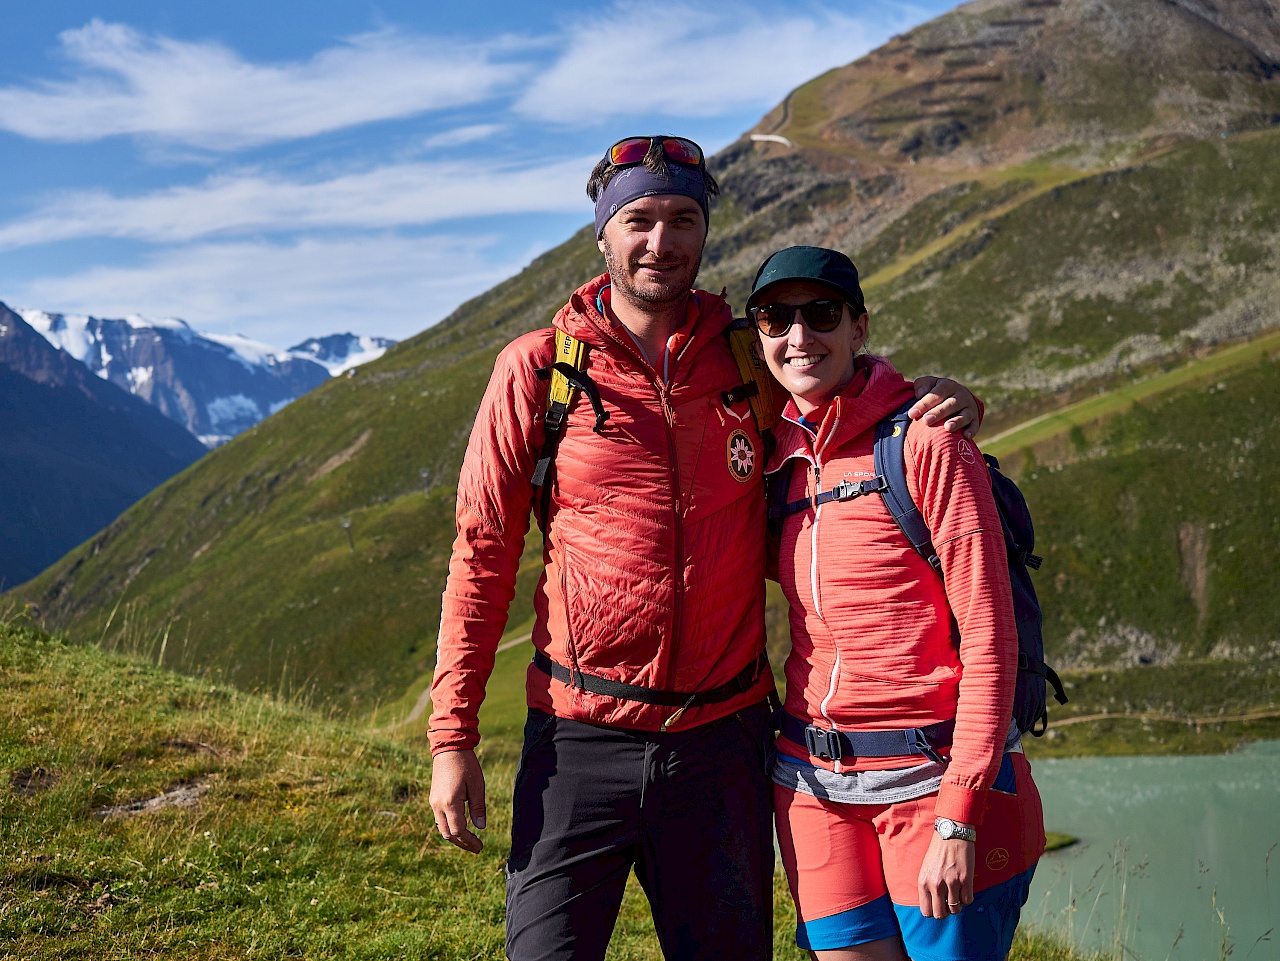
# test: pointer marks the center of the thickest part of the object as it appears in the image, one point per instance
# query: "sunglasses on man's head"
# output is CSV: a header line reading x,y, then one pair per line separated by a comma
x,y
633,150
821,316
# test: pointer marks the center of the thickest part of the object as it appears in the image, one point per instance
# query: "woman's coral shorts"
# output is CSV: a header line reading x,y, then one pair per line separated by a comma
x,y
853,870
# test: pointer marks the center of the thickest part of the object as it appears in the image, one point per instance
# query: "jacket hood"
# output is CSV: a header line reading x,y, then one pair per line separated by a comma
x,y
876,390
708,316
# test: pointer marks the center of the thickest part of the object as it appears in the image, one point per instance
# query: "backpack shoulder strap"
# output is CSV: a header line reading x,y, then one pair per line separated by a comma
x,y
889,454
776,487
757,382
571,352
1015,521
568,375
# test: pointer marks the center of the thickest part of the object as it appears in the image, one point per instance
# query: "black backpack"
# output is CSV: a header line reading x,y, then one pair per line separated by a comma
x,y
1030,699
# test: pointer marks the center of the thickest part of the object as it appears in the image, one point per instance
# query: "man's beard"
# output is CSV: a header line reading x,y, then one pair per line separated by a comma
x,y
653,295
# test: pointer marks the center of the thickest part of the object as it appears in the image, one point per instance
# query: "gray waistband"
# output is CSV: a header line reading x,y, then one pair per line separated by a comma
x,y
870,787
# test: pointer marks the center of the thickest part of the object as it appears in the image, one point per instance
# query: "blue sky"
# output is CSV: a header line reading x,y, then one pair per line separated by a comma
x,y
290,169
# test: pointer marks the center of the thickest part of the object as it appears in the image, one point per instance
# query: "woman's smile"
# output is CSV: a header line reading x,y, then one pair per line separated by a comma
x,y
805,361
812,365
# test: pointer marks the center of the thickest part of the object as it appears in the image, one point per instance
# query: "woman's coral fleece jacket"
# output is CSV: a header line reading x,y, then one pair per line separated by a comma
x,y
871,632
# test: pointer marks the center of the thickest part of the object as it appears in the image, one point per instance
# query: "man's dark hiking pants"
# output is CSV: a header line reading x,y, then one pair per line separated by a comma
x,y
690,811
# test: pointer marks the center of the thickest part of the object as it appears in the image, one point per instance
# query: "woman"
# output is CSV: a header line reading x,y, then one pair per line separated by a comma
x,y
927,852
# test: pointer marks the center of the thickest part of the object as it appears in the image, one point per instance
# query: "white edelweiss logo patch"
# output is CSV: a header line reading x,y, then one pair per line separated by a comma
x,y
742,456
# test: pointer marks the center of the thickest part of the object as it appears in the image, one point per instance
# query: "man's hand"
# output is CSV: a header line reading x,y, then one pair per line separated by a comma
x,y
946,877
942,399
457,783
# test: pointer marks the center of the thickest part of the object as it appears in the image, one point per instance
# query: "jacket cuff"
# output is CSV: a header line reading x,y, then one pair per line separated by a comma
x,y
444,741
961,804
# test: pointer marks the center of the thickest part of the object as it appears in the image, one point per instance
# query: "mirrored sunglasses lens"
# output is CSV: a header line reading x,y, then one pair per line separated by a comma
x,y
629,151
682,151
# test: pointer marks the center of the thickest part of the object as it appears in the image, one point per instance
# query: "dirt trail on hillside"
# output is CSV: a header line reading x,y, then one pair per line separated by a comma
x,y
424,699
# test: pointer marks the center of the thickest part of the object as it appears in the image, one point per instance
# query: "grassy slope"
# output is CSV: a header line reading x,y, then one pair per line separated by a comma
x,y
314,839
1151,588
1153,525
1096,274
1152,521
1202,370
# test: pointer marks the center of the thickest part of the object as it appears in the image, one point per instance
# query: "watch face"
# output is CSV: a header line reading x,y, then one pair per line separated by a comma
x,y
948,829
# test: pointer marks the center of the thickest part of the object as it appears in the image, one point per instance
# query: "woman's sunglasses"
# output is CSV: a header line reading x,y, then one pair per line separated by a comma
x,y
820,316
633,150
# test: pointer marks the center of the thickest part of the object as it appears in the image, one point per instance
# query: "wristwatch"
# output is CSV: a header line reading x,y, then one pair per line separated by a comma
x,y
948,829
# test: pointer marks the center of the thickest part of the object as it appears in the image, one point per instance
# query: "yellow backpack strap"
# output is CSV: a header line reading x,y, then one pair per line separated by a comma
x,y
571,351
568,375
757,382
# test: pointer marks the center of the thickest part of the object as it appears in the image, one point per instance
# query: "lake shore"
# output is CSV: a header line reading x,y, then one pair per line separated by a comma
x,y
1183,708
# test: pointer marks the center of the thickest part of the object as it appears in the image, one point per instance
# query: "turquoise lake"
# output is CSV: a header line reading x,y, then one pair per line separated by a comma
x,y
1177,855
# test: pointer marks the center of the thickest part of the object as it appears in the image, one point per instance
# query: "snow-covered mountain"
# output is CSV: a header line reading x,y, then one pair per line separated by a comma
x,y
75,451
341,352
213,384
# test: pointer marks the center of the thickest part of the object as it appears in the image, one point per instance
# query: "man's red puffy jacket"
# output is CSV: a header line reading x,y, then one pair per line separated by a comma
x,y
655,549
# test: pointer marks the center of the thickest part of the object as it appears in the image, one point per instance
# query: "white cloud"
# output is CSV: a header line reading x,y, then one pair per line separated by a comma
x,y
389,196
204,95
462,135
284,255
283,293
686,61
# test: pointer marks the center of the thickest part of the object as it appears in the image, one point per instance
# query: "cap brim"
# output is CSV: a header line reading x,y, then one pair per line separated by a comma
x,y
756,297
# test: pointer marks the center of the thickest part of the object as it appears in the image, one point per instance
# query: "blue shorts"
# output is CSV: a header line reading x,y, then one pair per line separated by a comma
x,y
983,931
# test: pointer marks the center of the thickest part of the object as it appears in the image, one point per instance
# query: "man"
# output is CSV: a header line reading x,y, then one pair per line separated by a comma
x,y
649,726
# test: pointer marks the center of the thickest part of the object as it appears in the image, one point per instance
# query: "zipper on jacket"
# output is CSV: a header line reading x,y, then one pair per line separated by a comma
x,y
813,540
677,529
569,641
834,680
677,526
817,514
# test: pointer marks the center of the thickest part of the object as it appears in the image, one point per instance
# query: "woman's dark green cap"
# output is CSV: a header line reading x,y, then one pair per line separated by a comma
x,y
821,264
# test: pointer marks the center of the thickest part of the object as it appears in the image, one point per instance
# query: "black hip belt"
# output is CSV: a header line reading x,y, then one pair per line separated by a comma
x,y
742,682
834,745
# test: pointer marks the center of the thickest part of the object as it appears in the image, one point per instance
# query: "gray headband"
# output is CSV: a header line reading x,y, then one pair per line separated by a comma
x,y
632,183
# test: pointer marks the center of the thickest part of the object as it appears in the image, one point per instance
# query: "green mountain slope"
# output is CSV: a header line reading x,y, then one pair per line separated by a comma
x,y
1153,525
1088,224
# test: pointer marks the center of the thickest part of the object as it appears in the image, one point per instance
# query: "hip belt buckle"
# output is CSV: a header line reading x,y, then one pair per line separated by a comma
x,y
822,743
919,741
